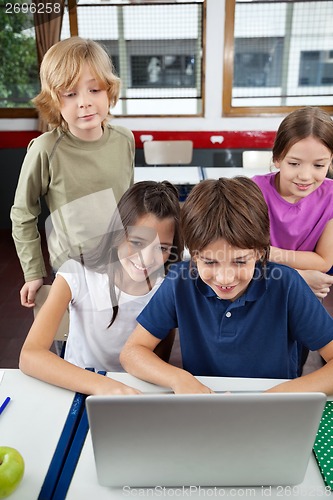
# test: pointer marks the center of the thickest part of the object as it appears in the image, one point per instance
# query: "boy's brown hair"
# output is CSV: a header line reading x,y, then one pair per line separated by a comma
x,y
232,209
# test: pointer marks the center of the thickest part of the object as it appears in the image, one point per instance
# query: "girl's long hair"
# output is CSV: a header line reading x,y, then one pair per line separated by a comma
x,y
147,197
309,121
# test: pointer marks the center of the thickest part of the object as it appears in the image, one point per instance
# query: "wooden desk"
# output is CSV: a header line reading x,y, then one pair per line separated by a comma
x,y
32,423
85,485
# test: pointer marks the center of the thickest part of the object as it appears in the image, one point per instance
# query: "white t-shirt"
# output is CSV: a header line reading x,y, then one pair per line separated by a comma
x,y
90,342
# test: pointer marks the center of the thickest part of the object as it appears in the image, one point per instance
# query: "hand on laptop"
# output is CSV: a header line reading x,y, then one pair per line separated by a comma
x,y
187,384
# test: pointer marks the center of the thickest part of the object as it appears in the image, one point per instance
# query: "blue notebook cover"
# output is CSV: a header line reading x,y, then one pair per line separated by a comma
x,y
63,448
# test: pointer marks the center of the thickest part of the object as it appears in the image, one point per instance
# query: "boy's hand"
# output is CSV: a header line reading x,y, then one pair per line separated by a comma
x,y
28,292
187,384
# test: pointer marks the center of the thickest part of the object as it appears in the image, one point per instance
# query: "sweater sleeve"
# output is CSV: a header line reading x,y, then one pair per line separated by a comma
x,y
131,144
32,184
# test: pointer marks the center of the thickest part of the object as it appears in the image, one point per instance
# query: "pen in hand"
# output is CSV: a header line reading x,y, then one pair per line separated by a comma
x,y
4,404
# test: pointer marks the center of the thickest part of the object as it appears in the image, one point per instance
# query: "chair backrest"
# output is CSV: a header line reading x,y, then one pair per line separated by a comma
x,y
168,152
41,296
257,159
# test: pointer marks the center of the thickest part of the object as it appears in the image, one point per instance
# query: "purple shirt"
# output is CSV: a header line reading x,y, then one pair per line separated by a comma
x,y
297,226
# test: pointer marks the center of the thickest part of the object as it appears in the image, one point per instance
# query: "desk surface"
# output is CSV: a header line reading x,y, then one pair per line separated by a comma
x,y
34,419
189,174
32,423
85,478
216,172
177,175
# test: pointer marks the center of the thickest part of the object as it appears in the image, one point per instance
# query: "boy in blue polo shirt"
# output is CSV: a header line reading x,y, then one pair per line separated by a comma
x,y
238,314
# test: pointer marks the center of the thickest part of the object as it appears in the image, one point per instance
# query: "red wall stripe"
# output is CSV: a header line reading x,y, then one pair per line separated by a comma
x,y
214,139
201,140
15,140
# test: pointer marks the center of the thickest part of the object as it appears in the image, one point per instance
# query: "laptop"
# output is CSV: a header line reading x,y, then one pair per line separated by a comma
x,y
203,440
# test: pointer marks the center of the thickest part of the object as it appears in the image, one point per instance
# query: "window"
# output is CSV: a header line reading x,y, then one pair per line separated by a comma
x,y
258,63
277,56
162,71
19,79
316,68
156,48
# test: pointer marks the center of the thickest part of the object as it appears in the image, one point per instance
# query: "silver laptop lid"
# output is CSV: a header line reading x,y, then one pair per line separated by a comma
x,y
203,440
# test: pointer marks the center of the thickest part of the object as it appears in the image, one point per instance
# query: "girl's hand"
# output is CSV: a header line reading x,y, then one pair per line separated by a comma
x,y
319,282
187,384
108,386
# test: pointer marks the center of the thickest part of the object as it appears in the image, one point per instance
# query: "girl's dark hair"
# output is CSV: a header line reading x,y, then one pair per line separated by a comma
x,y
232,209
147,197
300,124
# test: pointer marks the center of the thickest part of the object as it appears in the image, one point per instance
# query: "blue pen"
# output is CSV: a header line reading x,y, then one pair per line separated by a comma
x,y
4,404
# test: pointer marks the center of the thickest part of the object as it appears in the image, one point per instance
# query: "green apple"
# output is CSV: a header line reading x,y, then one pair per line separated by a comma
x,y
11,470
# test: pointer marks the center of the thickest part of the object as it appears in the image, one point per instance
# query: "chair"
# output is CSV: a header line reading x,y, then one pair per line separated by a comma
x,y
257,159
62,332
168,152
169,160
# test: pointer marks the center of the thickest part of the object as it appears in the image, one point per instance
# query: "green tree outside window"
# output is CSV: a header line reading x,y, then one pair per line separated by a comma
x,y
19,81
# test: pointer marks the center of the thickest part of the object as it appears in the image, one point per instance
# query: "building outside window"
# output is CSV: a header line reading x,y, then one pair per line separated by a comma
x,y
278,56
157,49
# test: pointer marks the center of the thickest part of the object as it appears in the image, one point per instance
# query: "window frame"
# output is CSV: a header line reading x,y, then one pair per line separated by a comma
x,y
74,31
228,64
18,113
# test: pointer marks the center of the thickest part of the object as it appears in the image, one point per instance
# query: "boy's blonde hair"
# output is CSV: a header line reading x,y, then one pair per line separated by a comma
x,y
61,69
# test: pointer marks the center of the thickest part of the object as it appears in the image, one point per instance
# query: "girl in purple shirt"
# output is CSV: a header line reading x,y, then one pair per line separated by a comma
x,y
300,196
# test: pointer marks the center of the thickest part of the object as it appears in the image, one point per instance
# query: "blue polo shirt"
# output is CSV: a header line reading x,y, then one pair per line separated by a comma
x,y
254,336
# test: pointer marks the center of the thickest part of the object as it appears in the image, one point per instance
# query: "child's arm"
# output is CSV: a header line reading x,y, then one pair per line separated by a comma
x,y
139,359
319,282
28,292
319,260
32,182
320,380
37,360
163,349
